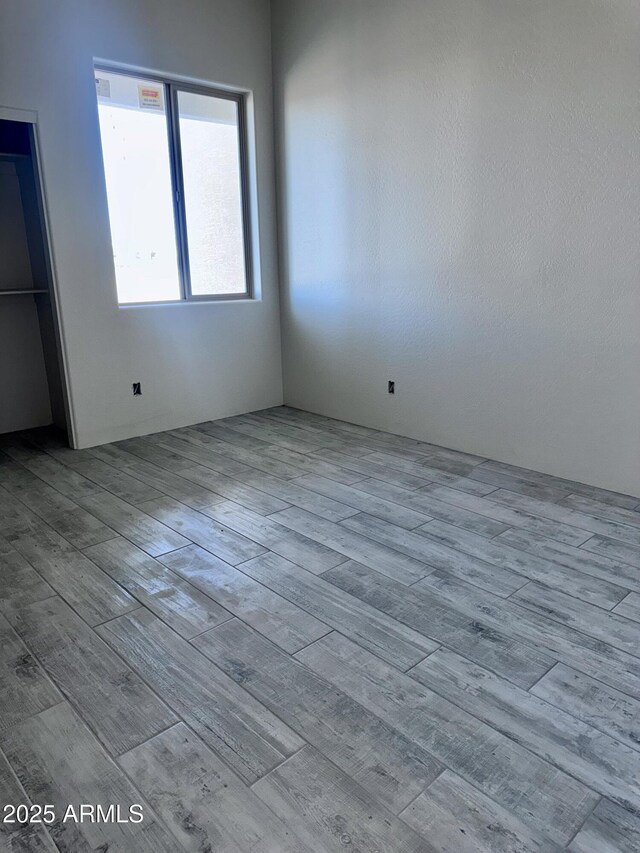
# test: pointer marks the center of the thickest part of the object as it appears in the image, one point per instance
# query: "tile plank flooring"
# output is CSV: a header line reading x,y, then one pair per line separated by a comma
x,y
283,633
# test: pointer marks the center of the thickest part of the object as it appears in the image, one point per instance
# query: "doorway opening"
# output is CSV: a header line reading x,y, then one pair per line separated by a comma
x,y
33,390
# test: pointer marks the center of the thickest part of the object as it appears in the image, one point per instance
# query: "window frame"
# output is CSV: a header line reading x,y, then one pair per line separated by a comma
x,y
171,88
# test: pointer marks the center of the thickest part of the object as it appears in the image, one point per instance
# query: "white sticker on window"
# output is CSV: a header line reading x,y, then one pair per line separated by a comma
x,y
103,87
150,97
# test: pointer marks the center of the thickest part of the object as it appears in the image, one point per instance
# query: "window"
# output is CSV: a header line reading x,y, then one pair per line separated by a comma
x,y
174,161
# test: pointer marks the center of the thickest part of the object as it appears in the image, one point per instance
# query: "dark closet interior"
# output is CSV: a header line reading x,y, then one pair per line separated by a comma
x,y
31,381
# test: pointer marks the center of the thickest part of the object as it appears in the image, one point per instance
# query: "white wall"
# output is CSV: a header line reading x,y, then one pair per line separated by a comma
x,y
195,362
461,213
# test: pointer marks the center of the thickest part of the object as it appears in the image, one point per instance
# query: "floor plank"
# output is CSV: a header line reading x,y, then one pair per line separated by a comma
x,y
504,480
311,464
371,468
603,510
629,607
352,545
145,532
436,617
279,538
5,548
184,608
306,433
578,584
222,433
613,498
145,450
46,468
599,761
117,481
371,751
94,595
24,688
19,837
113,455
71,521
229,720
471,487
59,761
432,468
484,574
205,531
173,485
563,514
269,614
219,813
548,800
112,699
265,494
284,435
296,493
429,500
194,449
601,660
591,701
230,489
518,502
610,829
374,503
281,435
259,442
614,549
509,516
21,584
612,571
609,627
390,640
623,532
16,517
393,645
328,811
209,450
459,818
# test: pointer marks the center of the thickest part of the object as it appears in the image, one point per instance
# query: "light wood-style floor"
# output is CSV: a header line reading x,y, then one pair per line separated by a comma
x,y
282,633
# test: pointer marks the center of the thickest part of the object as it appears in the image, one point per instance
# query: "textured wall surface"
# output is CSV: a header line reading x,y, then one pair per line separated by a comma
x,y
460,205
195,361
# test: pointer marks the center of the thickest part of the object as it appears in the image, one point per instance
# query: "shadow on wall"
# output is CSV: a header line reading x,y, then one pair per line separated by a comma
x,y
459,196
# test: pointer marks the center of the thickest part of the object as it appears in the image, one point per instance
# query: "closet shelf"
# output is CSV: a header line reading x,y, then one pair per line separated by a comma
x,y
23,290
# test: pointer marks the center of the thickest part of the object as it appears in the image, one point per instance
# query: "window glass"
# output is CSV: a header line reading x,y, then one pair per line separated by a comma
x,y
135,148
211,171
173,160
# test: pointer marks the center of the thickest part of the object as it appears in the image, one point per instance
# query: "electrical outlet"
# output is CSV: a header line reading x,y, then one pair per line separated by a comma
x,y
137,389
391,387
